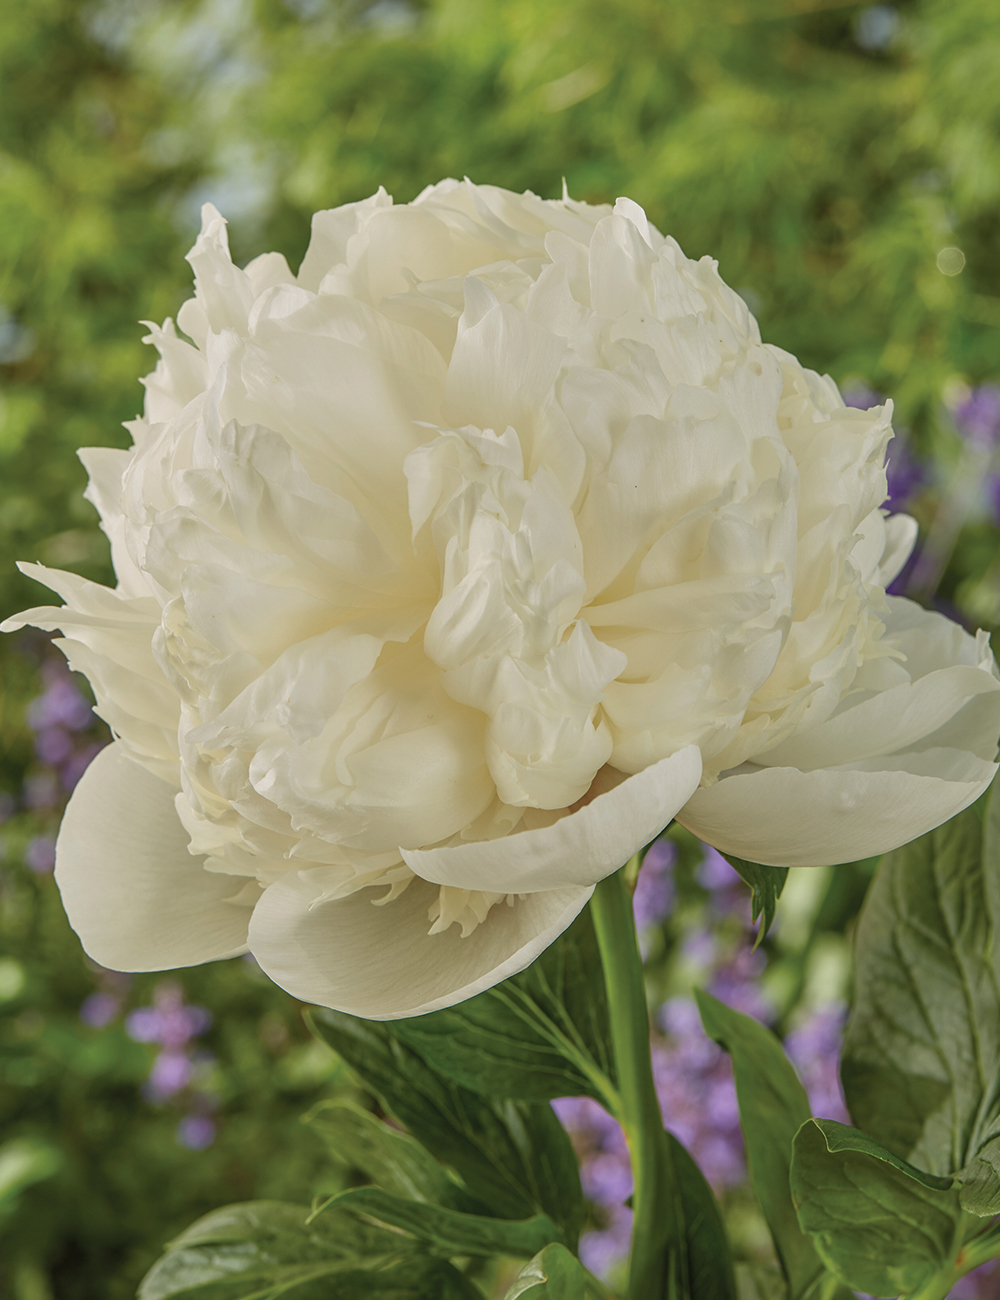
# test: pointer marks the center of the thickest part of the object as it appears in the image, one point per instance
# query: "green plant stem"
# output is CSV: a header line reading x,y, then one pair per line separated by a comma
x,y
979,1250
658,1264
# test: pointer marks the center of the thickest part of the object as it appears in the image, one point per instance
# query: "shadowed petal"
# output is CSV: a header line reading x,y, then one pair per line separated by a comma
x,y
380,962
135,896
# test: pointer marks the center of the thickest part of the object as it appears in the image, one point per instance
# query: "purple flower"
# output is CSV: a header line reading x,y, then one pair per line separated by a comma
x,y
196,1132
99,1010
40,854
978,417
814,1050
862,397
53,745
171,1073
604,1250
61,704
993,496
654,890
905,473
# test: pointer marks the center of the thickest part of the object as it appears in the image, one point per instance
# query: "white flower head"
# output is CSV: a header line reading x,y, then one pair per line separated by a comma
x,y
454,567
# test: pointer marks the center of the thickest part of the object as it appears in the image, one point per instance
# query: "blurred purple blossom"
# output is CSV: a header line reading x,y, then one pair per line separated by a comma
x,y
61,704
59,717
863,398
173,1024
982,1283
993,497
171,1072
814,1050
978,417
906,473
40,854
169,1021
196,1132
654,890
99,1009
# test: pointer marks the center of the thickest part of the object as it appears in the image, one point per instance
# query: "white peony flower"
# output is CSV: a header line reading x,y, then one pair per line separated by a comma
x,y
454,567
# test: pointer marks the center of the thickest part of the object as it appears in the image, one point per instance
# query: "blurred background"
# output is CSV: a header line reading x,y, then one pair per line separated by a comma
x,y
842,162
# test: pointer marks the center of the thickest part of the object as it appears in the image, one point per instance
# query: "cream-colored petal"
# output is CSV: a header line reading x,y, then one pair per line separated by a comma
x,y
578,850
380,962
135,896
786,818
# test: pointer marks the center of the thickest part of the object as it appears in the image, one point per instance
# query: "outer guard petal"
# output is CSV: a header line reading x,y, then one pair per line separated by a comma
x,y
578,850
877,774
135,896
380,962
782,817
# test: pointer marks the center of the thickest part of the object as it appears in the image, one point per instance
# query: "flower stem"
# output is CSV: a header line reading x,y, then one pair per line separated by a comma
x,y
658,1265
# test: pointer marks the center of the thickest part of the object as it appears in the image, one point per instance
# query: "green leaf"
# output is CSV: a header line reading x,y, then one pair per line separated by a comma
x,y
393,1160
555,1274
539,1035
514,1157
23,1162
446,1232
266,1249
921,1059
773,1106
875,1225
710,1261
767,884
841,1137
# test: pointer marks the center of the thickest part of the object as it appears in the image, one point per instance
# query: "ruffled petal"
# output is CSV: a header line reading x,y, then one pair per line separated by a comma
x,y
578,850
381,962
132,891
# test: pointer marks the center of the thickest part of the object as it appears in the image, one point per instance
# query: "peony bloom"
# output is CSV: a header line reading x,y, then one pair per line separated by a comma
x,y
455,566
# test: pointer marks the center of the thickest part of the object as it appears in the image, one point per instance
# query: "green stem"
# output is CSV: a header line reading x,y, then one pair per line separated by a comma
x,y
658,1265
978,1250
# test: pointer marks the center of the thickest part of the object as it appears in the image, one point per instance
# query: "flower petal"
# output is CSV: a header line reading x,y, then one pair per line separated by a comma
x,y
786,818
578,850
881,771
381,962
135,896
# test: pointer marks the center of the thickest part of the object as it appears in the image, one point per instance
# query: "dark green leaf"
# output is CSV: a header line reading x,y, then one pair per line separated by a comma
x,y
446,1232
266,1249
773,1105
767,884
393,1160
710,1261
514,1157
539,1035
876,1227
555,1274
921,1061
841,1137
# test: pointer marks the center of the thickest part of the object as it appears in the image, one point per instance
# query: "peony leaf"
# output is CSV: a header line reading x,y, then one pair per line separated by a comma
x,y
767,884
442,1232
555,1274
540,1035
710,1261
874,1221
266,1249
514,1157
921,1062
773,1105
392,1160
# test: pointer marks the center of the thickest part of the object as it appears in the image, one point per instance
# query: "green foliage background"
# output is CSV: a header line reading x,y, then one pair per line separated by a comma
x,y
825,170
